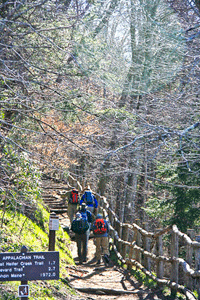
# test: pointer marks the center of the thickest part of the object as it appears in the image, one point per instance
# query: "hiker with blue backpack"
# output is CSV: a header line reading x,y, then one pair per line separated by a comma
x,y
90,200
101,229
81,227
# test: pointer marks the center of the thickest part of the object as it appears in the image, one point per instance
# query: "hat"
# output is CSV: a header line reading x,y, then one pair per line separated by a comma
x,y
99,216
83,206
78,214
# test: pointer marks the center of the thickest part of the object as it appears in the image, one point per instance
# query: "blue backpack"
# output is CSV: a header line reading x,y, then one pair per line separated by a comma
x,y
89,198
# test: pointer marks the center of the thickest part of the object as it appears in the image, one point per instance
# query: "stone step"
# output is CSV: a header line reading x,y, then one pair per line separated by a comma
x,y
58,211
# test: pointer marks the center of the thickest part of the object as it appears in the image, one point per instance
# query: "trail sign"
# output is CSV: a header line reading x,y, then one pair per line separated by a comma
x,y
24,266
23,290
53,222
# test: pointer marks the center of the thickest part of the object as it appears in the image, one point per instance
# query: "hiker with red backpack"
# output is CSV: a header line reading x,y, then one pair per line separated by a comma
x,y
90,200
73,202
101,229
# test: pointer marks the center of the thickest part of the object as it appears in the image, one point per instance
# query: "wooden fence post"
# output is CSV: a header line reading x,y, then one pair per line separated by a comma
x,y
118,228
130,255
120,236
125,234
99,199
112,221
105,209
110,216
147,260
174,254
189,253
138,242
197,265
159,252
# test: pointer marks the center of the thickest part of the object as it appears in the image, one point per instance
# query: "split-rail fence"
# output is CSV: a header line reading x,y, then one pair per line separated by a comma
x,y
168,256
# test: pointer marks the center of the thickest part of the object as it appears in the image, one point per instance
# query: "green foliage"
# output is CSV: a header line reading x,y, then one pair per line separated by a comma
x,y
158,208
141,277
8,296
186,195
24,189
177,194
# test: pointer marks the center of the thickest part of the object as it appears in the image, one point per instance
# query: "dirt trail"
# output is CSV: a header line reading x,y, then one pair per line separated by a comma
x,y
89,275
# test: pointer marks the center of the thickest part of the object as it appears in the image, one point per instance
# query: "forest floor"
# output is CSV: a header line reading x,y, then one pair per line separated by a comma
x,y
99,282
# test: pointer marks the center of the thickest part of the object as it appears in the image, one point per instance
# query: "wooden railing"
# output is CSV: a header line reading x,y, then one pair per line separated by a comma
x,y
157,254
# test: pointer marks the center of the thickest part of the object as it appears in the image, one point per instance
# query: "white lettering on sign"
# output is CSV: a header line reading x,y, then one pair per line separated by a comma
x,y
38,257
39,263
25,263
17,275
47,274
4,276
6,270
11,264
19,257
18,269
29,266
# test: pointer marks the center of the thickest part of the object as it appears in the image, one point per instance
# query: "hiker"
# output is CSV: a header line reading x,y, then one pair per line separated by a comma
x,y
81,226
73,202
101,229
90,200
83,209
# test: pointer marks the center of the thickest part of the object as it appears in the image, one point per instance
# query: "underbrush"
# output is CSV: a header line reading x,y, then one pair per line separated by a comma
x,y
16,231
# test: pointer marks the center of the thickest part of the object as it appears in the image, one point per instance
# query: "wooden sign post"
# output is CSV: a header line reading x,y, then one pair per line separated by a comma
x,y
22,290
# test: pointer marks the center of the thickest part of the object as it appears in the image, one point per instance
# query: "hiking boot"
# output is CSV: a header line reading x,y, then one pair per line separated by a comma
x,y
98,262
85,259
106,258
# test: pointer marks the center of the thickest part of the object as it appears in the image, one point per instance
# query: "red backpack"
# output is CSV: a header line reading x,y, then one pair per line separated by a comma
x,y
100,227
74,196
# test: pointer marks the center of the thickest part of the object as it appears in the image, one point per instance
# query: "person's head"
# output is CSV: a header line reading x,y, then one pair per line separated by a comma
x,y
78,215
83,206
99,216
88,188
